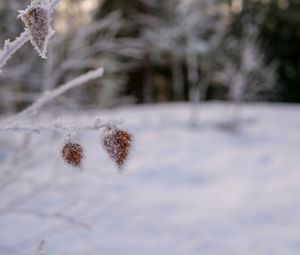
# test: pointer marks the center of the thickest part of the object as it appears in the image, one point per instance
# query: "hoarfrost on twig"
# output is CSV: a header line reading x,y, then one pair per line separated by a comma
x,y
50,95
12,47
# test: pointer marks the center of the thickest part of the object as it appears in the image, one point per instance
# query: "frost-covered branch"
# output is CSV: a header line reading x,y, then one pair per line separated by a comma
x,y
93,44
12,47
51,95
39,214
116,142
54,3
59,127
253,75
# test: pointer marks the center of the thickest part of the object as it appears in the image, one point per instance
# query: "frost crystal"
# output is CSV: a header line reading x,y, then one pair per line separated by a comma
x,y
37,18
117,143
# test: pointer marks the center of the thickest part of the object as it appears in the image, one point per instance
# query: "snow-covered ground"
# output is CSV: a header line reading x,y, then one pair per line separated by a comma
x,y
186,190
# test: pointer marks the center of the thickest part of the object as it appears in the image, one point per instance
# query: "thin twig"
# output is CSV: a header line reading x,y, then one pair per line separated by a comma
x,y
43,215
50,95
12,47
53,127
39,250
54,4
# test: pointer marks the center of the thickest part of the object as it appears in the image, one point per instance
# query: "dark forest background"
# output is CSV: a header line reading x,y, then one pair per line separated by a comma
x,y
161,51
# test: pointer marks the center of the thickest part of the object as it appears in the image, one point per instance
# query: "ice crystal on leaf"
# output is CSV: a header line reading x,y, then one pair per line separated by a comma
x,y
117,143
37,18
72,153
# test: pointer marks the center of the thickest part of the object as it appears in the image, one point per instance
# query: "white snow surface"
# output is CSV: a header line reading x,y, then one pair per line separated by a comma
x,y
185,191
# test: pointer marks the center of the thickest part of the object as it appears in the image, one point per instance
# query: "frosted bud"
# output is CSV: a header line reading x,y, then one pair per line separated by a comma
x,y
117,143
72,153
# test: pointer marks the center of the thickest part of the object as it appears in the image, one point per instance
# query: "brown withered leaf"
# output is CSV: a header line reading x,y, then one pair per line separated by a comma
x,y
117,144
36,20
73,154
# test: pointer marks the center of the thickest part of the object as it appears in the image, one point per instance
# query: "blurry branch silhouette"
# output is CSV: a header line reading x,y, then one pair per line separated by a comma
x,y
54,3
78,56
51,95
12,174
189,36
59,127
46,215
200,43
97,43
247,75
243,83
40,248
193,78
8,173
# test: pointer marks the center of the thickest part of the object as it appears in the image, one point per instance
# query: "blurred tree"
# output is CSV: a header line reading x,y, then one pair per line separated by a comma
x,y
159,50
281,32
278,22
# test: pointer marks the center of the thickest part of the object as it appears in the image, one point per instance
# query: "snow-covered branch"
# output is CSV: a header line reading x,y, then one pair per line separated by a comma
x,y
54,3
12,47
59,127
44,215
95,43
50,95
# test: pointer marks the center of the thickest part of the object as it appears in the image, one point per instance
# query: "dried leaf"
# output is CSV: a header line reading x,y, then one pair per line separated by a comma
x,y
37,19
117,144
73,153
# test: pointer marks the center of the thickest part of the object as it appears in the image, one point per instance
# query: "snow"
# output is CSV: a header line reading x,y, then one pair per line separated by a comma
x,y
186,190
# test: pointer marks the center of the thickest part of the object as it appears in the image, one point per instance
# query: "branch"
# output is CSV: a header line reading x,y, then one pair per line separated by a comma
x,y
55,127
54,4
11,48
43,215
39,250
50,95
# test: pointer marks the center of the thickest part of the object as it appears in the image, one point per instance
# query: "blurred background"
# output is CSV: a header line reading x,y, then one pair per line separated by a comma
x,y
227,184
160,51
